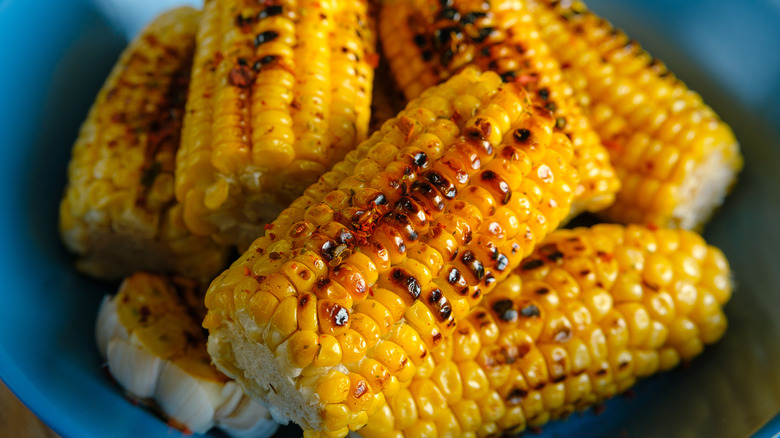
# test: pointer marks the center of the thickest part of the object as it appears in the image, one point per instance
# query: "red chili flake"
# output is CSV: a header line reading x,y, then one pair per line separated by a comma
x,y
613,145
599,409
151,40
247,271
373,60
526,79
268,226
370,291
275,256
536,430
180,427
406,126
607,257
240,76
118,118
652,227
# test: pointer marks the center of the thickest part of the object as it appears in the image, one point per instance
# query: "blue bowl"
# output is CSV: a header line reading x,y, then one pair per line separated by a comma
x,y
54,57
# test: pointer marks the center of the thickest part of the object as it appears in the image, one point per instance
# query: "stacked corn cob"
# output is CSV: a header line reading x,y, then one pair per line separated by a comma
x,y
118,213
675,158
426,41
281,90
150,335
372,269
362,306
580,320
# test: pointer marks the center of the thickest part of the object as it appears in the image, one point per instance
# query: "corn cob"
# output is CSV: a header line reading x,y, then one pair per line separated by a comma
x,y
280,91
427,41
591,311
150,335
350,287
675,158
118,212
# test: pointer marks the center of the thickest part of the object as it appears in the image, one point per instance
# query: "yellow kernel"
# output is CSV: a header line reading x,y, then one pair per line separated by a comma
x,y
335,416
330,352
491,407
301,348
638,322
333,388
422,429
353,346
263,305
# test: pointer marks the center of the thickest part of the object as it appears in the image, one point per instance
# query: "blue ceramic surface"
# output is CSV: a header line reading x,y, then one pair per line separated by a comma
x,y
54,56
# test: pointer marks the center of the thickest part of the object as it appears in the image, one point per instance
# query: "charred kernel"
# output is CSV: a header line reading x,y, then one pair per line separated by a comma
x,y
516,396
454,276
240,76
328,250
542,291
405,204
532,264
420,159
340,316
530,311
509,76
429,192
242,21
380,199
445,311
344,236
270,11
435,296
469,259
489,175
560,122
544,93
551,106
265,60
505,310
521,135
407,282
483,34
420,40
554,256
427,55
445,186
265,37
450,14
563,335
444,35
471,17
501,262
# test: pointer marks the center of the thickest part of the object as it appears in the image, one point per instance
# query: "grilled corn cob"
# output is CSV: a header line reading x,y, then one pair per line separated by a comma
x,y
375,265
579,321
150,334
427,41
675,158
281,90
118,212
